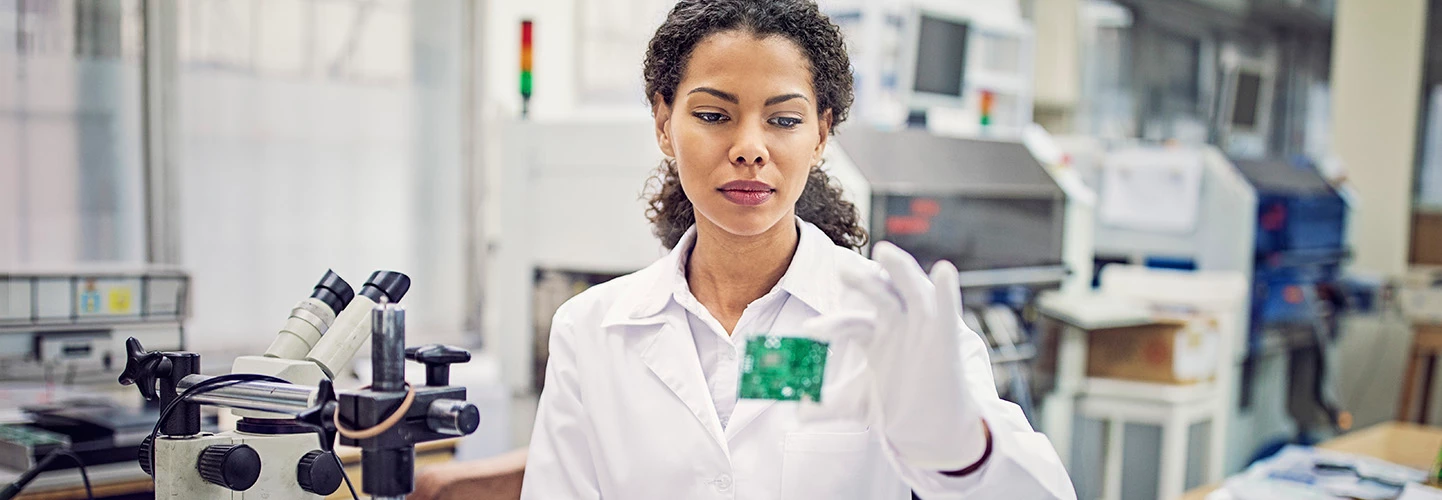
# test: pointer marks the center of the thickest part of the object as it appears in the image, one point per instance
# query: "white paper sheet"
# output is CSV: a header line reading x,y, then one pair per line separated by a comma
x,y
1151,189
1415,491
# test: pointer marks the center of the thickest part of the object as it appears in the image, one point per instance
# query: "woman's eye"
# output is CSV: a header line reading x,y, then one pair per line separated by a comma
x,y
710,117
785,122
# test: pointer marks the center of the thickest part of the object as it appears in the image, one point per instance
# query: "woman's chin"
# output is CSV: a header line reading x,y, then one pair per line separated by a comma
x,y
754,224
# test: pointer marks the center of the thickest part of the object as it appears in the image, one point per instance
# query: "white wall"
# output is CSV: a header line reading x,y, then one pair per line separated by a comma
x,y
344,156
70,136
1376,72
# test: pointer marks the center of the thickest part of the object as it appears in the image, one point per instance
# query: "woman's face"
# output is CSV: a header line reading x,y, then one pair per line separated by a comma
x,y
744,131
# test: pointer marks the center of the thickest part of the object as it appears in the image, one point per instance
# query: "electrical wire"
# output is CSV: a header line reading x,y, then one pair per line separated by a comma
x,y
84,475
321,435
25,478
222,381
207,385
345,476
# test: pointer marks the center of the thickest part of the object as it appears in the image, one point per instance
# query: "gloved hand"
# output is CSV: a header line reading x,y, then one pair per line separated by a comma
x,y
911,334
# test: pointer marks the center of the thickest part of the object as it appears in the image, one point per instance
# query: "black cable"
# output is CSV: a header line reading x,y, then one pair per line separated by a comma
x,y
25,478
321,435
84,476
207,385
221,381
345,476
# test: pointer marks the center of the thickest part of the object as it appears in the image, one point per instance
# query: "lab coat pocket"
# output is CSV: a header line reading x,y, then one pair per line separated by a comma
x,y
832,465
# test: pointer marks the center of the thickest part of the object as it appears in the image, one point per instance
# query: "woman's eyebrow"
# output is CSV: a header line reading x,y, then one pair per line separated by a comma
x,y
725,96
786,97
731,98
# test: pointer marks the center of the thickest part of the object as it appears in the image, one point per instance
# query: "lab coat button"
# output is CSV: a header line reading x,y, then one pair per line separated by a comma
x,y
723,483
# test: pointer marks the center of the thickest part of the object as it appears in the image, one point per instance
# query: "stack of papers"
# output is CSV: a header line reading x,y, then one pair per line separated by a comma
x,y
1301,472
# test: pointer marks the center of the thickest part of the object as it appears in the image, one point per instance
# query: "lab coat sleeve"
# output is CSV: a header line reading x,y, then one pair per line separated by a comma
x,y
1023,462
560,463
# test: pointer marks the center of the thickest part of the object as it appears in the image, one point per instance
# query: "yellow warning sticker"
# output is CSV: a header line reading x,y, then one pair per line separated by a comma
x,y
120,300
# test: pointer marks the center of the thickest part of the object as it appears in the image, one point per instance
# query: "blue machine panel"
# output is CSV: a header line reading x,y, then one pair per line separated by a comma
x,y
1300,242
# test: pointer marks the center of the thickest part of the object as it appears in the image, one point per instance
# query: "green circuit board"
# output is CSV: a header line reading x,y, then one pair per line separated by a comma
x,y
783,368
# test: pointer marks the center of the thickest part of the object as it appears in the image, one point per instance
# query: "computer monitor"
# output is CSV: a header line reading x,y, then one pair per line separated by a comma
x,y
940,56
1247,100
934,74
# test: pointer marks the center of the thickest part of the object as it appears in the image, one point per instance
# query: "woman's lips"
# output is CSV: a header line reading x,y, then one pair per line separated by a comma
x,y
748,193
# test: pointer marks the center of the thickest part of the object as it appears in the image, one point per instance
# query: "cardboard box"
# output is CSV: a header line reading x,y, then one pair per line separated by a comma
x,y
1166,351
1426,238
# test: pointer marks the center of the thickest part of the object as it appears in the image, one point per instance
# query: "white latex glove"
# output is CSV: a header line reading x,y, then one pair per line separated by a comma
x,y
911,337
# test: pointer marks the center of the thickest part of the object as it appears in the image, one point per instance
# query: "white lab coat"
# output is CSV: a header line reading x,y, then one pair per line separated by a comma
x,y
626,413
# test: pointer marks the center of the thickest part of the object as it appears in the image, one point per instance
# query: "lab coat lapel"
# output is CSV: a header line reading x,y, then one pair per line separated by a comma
x,y
746,411
671,355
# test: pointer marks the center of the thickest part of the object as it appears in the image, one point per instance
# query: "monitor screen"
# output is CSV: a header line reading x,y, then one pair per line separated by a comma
x,y
940,56
1246,99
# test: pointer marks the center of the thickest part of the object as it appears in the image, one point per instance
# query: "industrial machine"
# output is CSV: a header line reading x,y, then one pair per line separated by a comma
x,y
1297,288
1012,225
1202,118
61,342
1279,223
571,215
965,65
70,326
282,447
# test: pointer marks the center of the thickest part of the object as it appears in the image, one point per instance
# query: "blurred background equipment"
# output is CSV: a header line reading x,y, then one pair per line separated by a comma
x,y
63,337
1102,171
69,327
987,205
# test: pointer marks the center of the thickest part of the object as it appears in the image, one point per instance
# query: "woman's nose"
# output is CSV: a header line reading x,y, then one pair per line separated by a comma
x,y
749,149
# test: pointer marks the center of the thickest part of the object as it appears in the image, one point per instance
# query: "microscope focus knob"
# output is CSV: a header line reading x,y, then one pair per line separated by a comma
x,y
234,466
318,473
147,449
438,360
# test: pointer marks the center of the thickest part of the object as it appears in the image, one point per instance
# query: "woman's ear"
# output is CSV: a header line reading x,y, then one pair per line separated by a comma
x,y
662,114
824,129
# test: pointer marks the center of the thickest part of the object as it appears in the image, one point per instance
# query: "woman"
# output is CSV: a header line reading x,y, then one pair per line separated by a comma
x,y
640,399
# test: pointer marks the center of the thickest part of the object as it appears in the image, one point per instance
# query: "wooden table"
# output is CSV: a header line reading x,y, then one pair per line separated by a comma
x,y
1426,347
1401,443
426,454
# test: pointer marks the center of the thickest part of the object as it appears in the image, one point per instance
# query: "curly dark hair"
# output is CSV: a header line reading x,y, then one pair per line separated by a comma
x,y
800,21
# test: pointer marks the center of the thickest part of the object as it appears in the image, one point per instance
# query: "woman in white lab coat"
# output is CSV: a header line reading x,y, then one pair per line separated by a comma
x,y
640,398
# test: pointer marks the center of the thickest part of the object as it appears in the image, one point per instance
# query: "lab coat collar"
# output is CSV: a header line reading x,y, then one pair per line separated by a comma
x,y
812,278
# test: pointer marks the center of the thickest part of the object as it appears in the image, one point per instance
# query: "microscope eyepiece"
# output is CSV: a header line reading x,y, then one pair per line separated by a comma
x,y
389,284
334,291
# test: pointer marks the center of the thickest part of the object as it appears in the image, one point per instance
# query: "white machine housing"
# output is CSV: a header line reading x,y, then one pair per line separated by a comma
x,y
1222,239
75,321
567,196
1225,227
882,40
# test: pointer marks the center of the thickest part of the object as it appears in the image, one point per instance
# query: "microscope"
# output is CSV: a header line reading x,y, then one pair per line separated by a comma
x,y
290,412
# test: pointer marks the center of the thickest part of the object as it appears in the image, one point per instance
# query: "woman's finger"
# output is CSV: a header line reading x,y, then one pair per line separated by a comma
x,y
874,289
841,327
948,288
901,267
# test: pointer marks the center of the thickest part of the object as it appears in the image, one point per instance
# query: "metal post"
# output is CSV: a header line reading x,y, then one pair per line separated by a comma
x,y
388,348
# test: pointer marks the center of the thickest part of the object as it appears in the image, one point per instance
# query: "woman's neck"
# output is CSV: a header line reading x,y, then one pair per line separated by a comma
x,y
728,272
